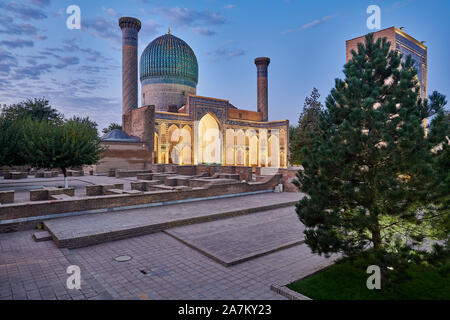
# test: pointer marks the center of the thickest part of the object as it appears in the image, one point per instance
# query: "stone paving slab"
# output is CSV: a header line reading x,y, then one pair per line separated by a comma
x,y
37,270
79,231
32,270
42,236
235,240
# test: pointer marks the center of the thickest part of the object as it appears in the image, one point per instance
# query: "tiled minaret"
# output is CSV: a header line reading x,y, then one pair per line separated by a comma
x,y
261,65
130,28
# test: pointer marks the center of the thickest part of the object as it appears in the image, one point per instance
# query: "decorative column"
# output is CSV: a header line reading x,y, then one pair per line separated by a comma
x,y
130,28
261,65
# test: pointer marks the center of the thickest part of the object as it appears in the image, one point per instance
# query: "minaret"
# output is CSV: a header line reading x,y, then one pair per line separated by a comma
x,y
261,65
130,28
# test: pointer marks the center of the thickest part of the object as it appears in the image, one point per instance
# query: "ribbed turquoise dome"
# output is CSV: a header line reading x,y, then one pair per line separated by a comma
x,y
168,59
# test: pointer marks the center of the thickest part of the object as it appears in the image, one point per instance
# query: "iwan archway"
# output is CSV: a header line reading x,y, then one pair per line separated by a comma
x,y
209,141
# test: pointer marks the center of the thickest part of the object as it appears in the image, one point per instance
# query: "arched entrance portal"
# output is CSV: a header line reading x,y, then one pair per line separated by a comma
x,y
209,141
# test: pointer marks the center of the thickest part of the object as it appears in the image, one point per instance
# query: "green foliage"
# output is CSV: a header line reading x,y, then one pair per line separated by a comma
x,y
12,120
308,125
369,172
11,141
71,143
437,212
111,127
37,109
346,280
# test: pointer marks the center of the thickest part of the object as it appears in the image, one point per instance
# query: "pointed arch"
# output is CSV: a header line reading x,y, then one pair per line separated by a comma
x,y
209,140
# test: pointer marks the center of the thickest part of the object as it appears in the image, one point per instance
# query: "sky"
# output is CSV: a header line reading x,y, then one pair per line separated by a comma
x,y
79,70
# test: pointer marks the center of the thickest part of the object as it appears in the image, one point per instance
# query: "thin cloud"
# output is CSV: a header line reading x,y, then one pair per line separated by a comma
x,y
7,61
24,11
225,52
311,24
12,28
111,12
40,3
103,28
203,31
17,43
188,17
229,6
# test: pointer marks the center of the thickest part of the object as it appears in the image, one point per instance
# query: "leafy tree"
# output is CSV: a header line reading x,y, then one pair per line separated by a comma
x,y
111,127
72,143
11,140
308,124
370,173
12,118
37,109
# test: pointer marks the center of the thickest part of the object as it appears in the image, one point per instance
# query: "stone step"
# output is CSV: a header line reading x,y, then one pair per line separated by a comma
x,y
80,231
42,236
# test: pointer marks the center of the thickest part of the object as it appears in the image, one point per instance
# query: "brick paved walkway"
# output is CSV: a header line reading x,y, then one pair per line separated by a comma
x,y
91,229
235,240
161,267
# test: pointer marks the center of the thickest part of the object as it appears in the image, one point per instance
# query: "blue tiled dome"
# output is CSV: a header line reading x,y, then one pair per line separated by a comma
x,y
119,136
168,59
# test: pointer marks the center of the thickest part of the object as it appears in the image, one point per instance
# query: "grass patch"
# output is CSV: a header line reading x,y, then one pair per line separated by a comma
x,y
346,280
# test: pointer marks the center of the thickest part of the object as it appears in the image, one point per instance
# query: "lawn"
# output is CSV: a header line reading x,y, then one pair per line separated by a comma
x,y
347,281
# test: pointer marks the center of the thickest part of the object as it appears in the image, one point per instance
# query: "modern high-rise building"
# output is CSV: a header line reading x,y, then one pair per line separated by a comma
x,y
406,45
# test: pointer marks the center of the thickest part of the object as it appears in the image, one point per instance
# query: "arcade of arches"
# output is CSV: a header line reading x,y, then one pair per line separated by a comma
x,y
207,142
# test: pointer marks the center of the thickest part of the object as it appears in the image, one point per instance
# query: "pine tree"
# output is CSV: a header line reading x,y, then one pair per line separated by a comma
x,y
369,171
308,124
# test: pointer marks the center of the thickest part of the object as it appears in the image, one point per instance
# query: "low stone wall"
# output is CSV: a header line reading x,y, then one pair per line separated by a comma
x,y
288,175
15,175
130,173
38,208
99,189
46,193
75,173
185,170
45,174
7,196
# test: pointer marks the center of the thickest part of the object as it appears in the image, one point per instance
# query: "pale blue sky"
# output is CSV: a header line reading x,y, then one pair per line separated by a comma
x,y
80,70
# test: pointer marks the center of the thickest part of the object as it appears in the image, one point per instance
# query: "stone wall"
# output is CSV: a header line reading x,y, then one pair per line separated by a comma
x,y
39,208
244,114
289,174
353,43
124,155
163,95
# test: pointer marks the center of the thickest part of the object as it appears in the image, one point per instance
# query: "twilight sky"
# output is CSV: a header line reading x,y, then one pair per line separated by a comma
x,y
79,71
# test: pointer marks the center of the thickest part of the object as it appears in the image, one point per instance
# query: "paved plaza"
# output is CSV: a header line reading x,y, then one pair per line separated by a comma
x,y
237,256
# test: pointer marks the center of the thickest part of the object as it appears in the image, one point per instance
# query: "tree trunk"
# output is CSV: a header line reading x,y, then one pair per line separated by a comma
x,y
376,237
66,182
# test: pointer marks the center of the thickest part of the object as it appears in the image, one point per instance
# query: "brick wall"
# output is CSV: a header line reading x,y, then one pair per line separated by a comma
x,y
353,43
36,209
288,174
124,155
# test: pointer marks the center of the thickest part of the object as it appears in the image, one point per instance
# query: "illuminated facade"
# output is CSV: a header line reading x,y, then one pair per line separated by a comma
x,y
177,126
